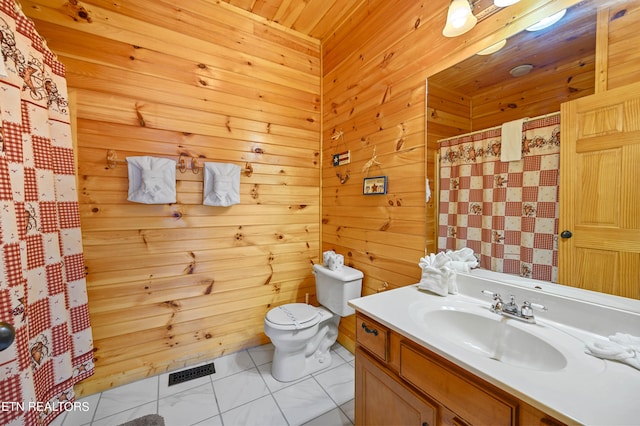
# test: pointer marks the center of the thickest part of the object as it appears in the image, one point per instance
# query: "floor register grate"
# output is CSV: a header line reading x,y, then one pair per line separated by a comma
x,y
191,373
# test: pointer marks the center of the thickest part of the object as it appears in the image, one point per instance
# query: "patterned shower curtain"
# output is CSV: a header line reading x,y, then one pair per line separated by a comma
x,y
506,212
42,277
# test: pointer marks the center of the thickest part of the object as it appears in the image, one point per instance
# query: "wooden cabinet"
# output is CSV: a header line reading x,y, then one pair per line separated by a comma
x,y
399,382
385,400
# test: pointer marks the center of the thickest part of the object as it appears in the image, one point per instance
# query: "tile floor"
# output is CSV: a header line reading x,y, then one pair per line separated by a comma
x,y
240,392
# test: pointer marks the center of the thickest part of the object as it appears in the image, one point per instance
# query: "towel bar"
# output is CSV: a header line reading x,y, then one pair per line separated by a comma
x,y
182,166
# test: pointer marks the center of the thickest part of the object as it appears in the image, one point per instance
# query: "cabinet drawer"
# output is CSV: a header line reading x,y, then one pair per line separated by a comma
x,y
373,336
456,391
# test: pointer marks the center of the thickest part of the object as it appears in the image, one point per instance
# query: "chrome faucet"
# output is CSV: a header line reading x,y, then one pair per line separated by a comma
x,y
512,310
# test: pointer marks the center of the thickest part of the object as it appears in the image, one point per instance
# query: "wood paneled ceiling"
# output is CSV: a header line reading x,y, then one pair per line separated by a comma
x,y
570,41
320,18
315,18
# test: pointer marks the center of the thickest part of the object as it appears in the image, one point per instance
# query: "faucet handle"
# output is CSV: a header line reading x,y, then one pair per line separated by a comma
x,y
490,294
497,299
528,308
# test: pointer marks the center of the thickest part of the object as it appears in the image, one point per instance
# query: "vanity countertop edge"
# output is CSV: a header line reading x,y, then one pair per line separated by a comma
x,y
603,395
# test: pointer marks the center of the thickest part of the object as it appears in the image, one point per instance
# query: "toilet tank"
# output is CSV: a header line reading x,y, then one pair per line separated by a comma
x,y
335,288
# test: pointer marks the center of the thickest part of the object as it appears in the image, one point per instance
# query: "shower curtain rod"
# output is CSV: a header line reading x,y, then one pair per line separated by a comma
x,y
540,117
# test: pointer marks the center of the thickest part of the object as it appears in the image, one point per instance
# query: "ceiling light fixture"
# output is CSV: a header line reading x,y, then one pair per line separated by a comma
x,y
521,70
493,48
548,21
459,18
504,3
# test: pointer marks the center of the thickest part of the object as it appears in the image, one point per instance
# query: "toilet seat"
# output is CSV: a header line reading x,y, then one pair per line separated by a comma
x,y
293,316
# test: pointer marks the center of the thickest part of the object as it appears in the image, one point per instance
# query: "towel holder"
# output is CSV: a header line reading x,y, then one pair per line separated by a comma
x,y
182,165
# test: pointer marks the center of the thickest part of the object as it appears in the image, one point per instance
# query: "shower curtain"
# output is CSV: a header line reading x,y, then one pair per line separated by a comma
x,y
42,276
507,212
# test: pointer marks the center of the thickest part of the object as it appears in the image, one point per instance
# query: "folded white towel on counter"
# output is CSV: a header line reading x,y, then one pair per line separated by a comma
x,y
437,277
511,140
462,260
151,180
620,347
221,184
626,340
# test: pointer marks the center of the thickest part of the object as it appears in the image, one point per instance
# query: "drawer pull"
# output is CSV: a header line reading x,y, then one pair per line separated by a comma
x,y
369,330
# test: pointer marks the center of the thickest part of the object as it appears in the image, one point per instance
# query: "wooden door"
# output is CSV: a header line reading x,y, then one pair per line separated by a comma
x,y
600,192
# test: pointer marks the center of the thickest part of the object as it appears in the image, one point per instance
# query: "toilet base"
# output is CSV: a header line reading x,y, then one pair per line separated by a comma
x,y
290,365
282,371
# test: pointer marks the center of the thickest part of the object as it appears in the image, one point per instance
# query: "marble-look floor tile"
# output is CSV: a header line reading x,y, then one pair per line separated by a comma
x,y
240,388
212,421
261,354
339,383
59,420
231,364
126,397
128,415
189,407
237,394
261,412
303,401
334,417
344,353
349,408
273,384
81,416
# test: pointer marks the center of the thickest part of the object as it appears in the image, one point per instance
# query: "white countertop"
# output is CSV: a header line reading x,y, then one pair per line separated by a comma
x,y
588,390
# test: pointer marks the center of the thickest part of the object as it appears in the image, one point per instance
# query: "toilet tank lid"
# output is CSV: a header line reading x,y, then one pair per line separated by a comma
x,y
345,274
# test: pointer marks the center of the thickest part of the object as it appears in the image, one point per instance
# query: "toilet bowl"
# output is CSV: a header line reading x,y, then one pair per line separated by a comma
x,y
302,334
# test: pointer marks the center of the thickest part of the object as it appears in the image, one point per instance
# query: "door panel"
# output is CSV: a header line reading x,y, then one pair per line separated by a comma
x,y
600,192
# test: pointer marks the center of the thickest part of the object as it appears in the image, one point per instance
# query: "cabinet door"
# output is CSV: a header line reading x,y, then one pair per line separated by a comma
x,y
599,192
382,400
457,390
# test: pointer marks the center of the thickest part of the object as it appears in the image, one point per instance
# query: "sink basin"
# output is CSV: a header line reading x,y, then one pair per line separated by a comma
x,y
494,337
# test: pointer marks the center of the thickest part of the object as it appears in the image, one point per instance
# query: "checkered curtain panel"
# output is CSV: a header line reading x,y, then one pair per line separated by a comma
x,y
506,212
42,277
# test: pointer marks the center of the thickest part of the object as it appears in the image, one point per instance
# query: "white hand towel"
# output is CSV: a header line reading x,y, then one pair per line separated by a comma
x,y
511,149
435,260
437,277
151,180
452,282
462,260
221,184
628,340
434,280
614,351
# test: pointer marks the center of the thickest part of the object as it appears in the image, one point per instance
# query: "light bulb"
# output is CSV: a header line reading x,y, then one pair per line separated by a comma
x,y
459,19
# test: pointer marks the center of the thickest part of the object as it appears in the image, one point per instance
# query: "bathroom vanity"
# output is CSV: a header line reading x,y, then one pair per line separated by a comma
x,y
426,359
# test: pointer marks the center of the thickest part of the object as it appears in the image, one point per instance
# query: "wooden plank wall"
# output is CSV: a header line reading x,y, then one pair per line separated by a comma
x,y
374,72
622,22
170,285
166,285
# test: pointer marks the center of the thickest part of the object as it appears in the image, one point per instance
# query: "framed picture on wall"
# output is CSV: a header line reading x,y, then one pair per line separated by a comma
x,y
376,185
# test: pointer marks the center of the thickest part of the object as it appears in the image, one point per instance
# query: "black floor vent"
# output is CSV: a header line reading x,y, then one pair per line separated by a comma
x,y
190,374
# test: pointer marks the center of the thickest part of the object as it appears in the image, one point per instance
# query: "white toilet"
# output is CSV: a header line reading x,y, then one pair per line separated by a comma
x,y
303,334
